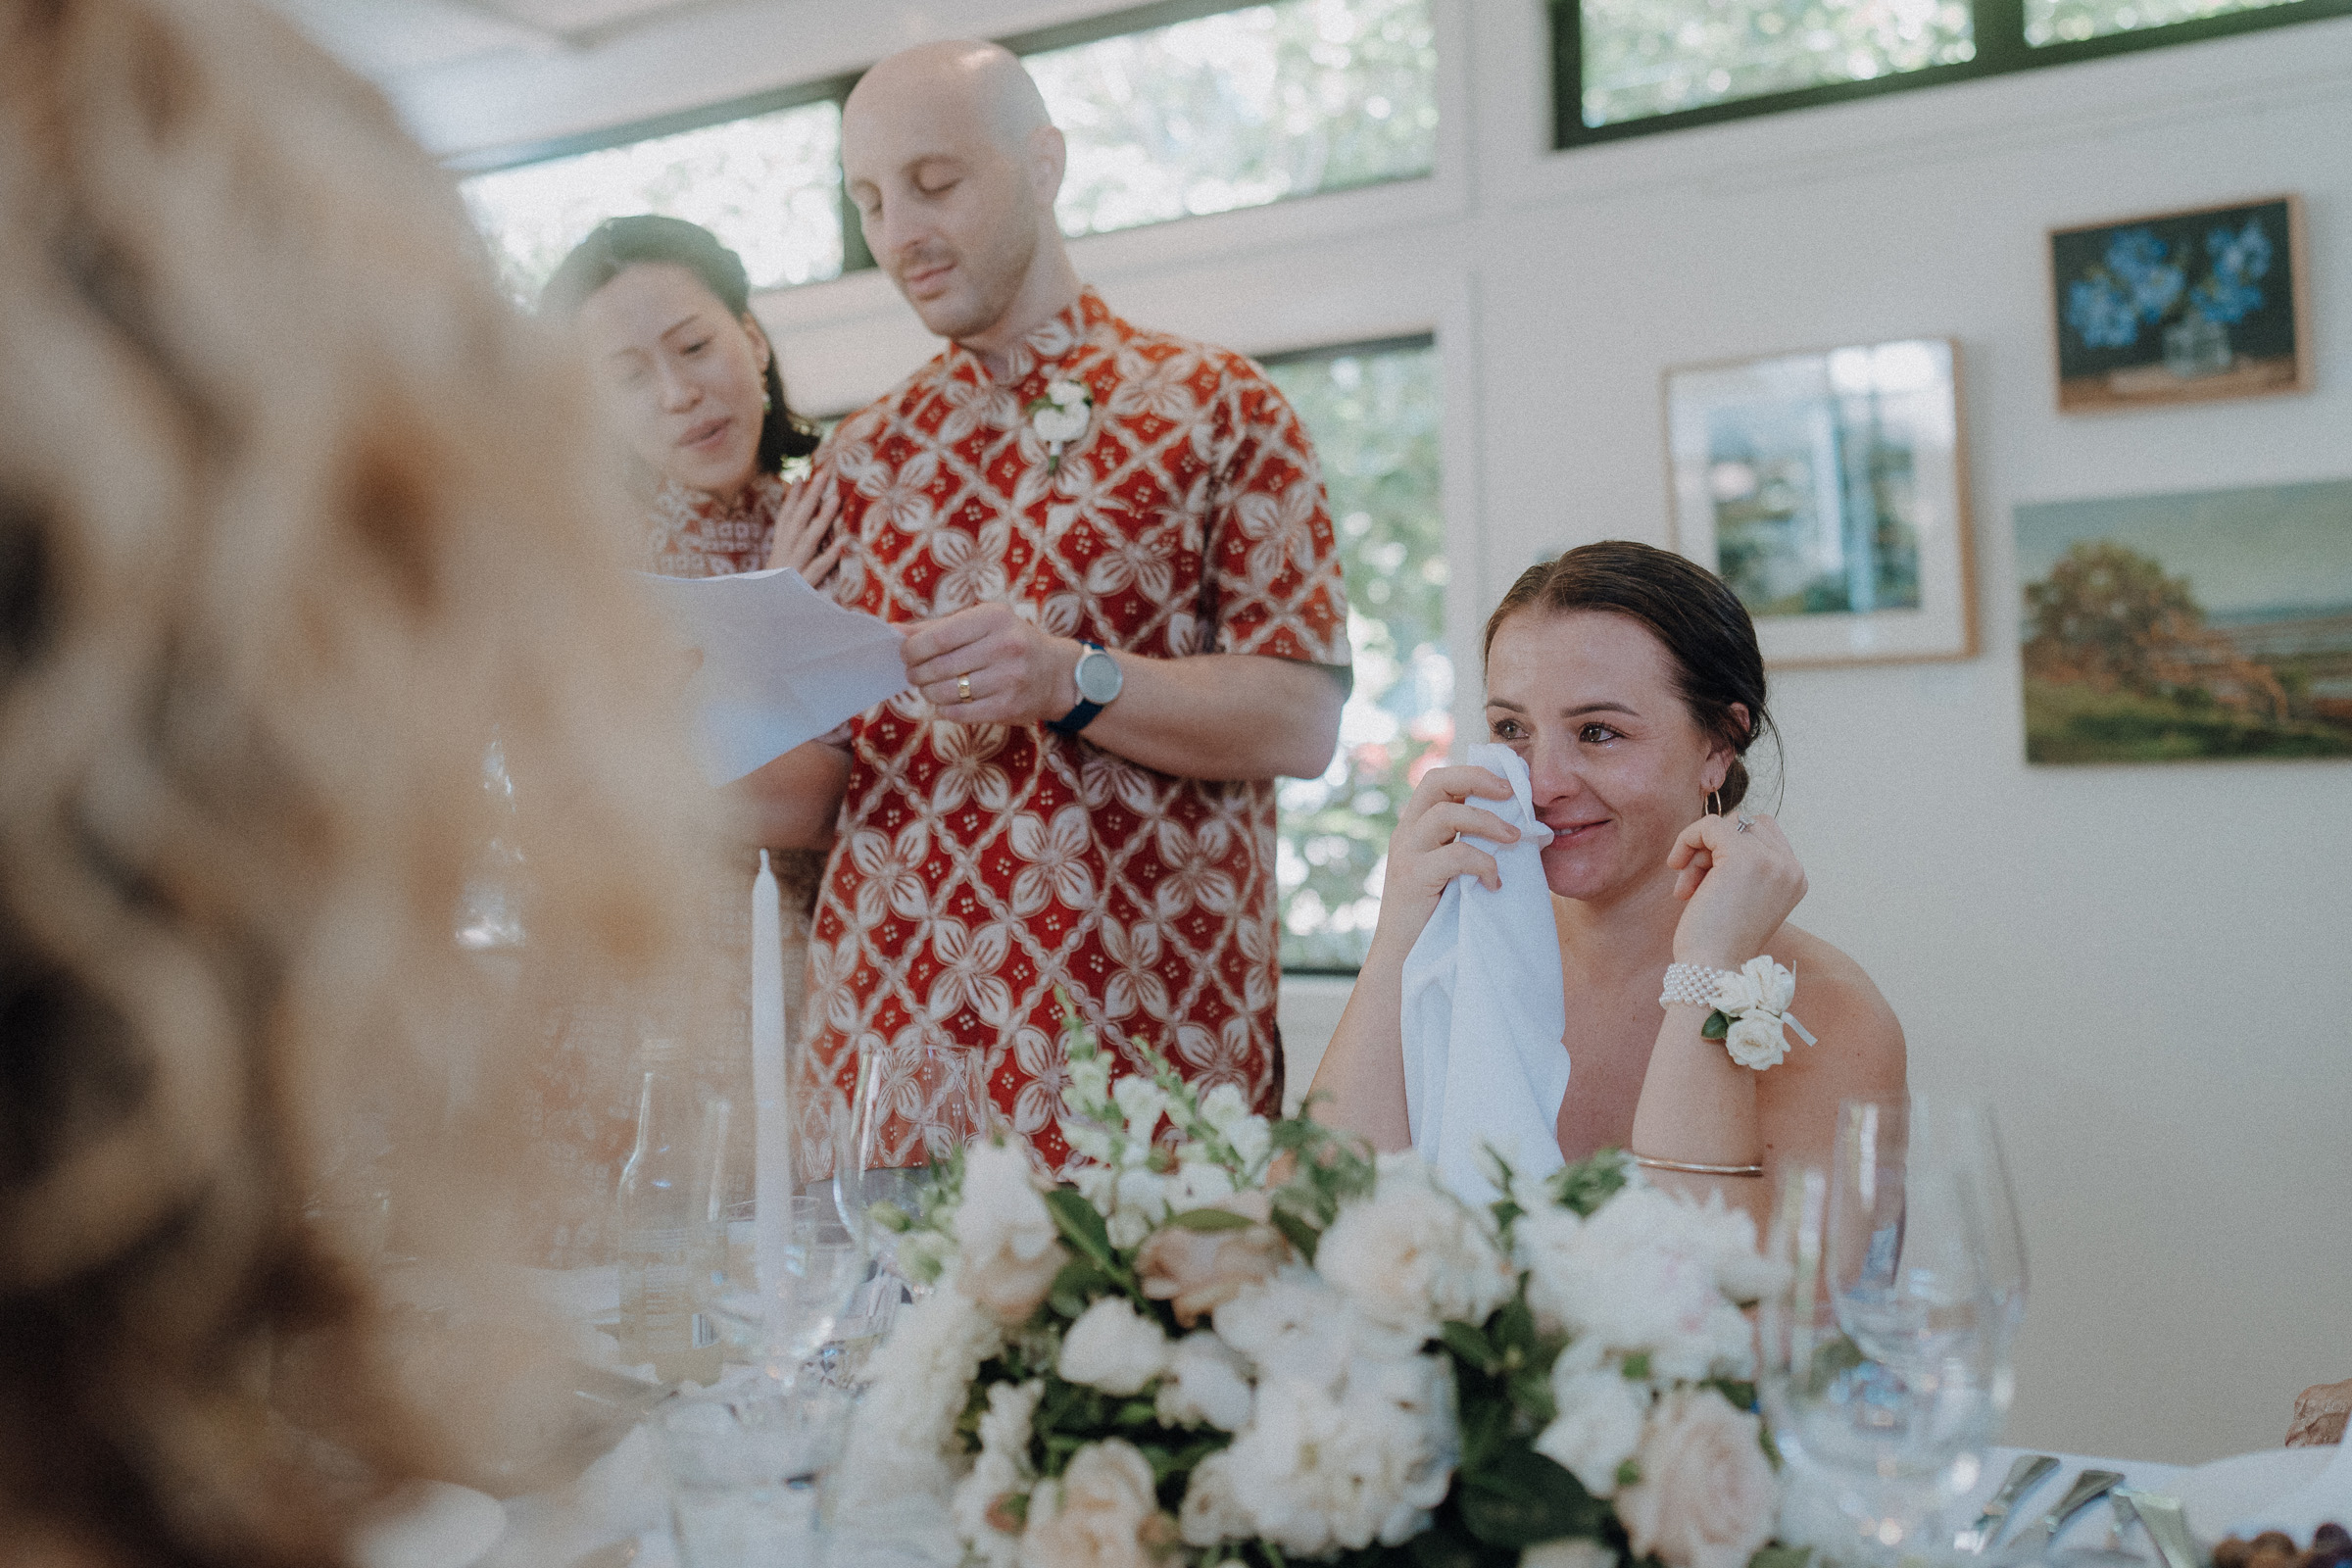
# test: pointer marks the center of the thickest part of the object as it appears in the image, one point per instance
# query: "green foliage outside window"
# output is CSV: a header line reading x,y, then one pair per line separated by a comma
x,y
1656,56
1374,418
769,186
2050,22
1241,109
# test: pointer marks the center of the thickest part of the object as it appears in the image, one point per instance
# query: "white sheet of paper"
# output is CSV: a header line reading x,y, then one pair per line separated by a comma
x,y
782,664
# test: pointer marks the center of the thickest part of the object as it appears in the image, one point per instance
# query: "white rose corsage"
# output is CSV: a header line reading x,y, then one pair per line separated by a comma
x,y
1060,417
1751,1008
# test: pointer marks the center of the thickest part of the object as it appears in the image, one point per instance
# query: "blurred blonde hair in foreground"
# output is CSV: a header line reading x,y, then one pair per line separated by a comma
x,y
295,515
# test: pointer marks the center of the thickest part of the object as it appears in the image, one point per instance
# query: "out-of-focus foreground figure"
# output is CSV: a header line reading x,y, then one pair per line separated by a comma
x,y
294,518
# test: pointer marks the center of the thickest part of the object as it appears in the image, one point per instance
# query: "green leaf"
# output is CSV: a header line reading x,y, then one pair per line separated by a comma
x,y
1513,1328
1636,1366
1470,1346
1518,1499
1209,1220
1779,1557
1718,1025
1629,1474
1082,1227
1136,1413
1444,1546
1531,1391
1299,1233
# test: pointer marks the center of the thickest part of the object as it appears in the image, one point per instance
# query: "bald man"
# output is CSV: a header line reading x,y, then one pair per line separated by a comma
x,y
1112,554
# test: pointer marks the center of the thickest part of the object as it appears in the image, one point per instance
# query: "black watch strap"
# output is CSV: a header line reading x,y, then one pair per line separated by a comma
x,y
1077,718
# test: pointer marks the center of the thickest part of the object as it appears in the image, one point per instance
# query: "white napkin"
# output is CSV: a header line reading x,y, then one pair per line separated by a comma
x,y
1484,1010
2326,1496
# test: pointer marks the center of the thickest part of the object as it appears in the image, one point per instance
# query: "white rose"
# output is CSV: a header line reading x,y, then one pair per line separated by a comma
x,y
1598,1428
1314,1469
1650,1274
1000,1474
1011,1250
1285,1326
1736,991
977,1509
1224,1108
903,1438
1209,1512
1757,1041
1775,987
1066,394
1707,1496
1060,424
1104,1513
1413,1256
1574,1553
1206,1384
1113,1347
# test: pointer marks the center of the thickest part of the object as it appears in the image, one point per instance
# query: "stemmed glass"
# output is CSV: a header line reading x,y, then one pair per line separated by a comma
x,y
914,1105
1885,1353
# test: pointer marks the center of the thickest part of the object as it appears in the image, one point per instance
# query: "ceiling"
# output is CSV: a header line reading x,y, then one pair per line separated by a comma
x,y
388,40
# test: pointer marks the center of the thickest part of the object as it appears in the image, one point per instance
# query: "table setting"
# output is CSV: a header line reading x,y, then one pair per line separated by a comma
x,y
1231,1340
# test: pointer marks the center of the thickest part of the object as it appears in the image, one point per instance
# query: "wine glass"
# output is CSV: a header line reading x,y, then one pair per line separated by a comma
x,y
914,1105
1884,1353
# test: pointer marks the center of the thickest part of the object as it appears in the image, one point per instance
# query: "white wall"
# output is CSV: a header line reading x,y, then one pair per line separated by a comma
x,y
2143,967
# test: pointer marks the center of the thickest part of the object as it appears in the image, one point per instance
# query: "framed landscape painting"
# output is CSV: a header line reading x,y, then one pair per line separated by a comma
x,y
1829,489
2175,627
2182,306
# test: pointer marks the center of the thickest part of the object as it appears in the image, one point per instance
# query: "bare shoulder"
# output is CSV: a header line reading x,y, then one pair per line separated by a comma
x,y
1861,1040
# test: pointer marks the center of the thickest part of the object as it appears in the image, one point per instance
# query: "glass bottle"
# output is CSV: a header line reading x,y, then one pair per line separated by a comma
x,y
664,1234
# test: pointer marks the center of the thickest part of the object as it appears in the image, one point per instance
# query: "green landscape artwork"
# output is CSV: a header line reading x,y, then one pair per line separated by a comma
x,y
2181,627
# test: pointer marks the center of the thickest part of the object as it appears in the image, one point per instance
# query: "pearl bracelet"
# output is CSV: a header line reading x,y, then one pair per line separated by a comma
x,y
1751,1005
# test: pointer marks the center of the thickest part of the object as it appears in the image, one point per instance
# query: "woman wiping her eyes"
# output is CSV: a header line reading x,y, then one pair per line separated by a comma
x,y
1630,683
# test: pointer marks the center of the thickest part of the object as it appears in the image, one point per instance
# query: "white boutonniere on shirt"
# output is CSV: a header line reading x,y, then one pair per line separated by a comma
x,y
1060,417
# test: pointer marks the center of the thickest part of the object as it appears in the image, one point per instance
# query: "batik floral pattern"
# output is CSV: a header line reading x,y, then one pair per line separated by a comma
x,y
982,866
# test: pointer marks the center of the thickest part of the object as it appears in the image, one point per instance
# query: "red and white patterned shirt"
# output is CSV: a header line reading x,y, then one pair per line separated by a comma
x,y
979,867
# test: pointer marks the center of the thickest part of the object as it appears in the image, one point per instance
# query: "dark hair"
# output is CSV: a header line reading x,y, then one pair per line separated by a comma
x,y
1705,628
618,244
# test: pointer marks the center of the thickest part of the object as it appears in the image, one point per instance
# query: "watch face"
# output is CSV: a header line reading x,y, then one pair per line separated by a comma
x,y
1099,678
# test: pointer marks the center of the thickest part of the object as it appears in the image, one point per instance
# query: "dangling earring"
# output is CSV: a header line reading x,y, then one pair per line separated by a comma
x,y
1714,804
767,401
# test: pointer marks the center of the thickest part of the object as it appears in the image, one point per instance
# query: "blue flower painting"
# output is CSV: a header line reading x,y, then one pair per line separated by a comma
x,y
2186,306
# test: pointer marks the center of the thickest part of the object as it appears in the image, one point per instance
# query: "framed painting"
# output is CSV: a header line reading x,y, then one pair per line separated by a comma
x,y
1829,489
2216,623
2182,306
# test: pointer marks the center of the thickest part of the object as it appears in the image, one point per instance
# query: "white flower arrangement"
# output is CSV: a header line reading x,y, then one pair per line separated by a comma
x,y
1060,417
1248,1342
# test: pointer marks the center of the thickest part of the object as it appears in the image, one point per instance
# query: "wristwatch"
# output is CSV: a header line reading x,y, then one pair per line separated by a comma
x,y
1099,681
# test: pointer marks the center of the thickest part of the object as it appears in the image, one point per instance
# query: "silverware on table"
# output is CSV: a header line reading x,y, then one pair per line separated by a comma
x,y
2089,1488
2030,1471
2167,1530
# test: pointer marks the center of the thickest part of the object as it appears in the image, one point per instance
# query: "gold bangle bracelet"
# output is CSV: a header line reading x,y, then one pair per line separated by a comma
x,y
1689,1169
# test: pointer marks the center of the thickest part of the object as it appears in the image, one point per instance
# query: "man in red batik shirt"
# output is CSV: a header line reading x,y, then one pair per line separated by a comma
x,y
1111,555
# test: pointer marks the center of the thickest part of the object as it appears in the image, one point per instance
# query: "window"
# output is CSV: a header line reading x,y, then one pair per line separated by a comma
x,y
1171,111
1241,109
1631,67
768,185
1373,411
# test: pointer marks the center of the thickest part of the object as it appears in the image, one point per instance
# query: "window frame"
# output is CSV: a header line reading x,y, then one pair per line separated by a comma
x,y
1387,343
2001,50
835,89
855,256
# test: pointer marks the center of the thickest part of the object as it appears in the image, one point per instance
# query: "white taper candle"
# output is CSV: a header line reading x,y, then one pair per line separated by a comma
x,y
774,1180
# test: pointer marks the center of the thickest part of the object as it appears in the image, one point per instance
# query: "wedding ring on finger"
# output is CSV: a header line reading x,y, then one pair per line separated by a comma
x,y
1746,822
963,694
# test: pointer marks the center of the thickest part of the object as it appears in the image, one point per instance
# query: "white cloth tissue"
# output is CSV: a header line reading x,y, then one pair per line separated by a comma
x,y
1484,1010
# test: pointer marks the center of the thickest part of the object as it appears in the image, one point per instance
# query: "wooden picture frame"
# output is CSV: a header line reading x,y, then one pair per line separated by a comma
x,y
2184,307
1830,489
